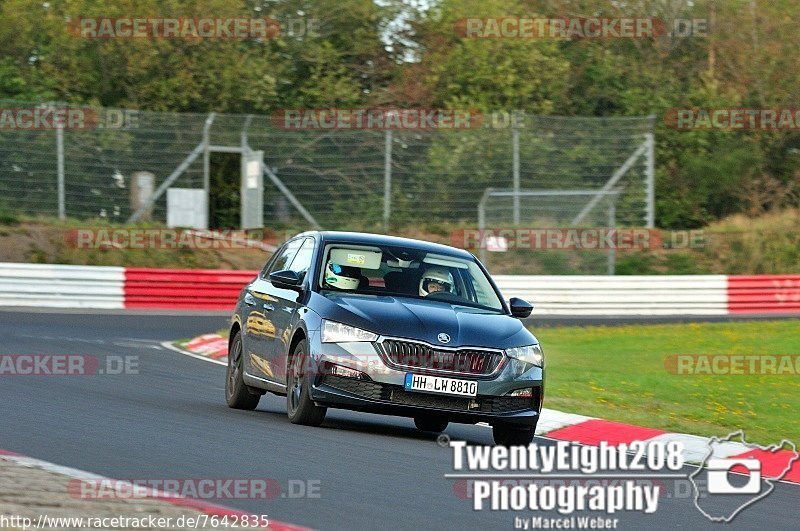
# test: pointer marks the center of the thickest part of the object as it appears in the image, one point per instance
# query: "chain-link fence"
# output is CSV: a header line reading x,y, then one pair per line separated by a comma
x,y
92,159
343,178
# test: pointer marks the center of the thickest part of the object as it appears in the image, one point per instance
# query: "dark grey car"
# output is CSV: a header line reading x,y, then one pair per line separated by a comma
x,y
386,325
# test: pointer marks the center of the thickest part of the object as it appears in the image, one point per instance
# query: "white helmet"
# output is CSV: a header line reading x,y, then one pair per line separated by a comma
x,y
436,276
342,277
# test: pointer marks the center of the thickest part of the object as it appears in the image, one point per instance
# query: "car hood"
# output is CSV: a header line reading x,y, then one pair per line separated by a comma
x,y
425,320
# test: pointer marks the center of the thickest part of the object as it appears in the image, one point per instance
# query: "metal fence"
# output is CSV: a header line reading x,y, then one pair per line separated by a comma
x,y
341,179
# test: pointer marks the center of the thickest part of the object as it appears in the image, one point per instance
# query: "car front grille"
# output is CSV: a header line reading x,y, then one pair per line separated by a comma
x,y
457,403
363,388
467,361
395,394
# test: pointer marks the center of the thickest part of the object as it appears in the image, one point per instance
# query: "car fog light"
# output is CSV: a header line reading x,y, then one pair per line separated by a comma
x,y
527,392
345,372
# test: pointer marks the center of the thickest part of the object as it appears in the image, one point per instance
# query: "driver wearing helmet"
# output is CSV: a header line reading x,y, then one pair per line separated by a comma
x,y
434,280
342,277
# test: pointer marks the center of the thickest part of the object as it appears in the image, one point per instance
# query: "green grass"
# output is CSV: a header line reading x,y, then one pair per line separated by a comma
x,y
618,373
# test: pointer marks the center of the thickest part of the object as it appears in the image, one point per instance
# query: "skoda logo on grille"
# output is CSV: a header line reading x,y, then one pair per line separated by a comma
x,y
443,338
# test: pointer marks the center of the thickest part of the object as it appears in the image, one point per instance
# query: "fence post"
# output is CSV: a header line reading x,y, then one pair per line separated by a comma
x,y
651,178
515,168
387,179
62,207
482,223
612,224
207,162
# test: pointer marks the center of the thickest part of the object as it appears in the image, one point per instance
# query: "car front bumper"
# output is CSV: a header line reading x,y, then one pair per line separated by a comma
x,y
381,390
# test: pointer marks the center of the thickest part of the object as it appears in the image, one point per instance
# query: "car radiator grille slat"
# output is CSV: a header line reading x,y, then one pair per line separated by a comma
x,y
467,361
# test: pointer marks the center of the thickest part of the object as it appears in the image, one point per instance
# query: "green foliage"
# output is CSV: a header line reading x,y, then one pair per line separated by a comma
x,y
399,53
7,216
42,59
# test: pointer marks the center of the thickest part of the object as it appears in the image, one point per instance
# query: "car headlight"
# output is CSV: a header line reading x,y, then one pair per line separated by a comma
x,y
333,332
532,354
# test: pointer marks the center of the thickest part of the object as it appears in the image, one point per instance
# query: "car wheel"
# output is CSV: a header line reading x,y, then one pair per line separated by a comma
x,y
299,406
433,424
505,435
237,393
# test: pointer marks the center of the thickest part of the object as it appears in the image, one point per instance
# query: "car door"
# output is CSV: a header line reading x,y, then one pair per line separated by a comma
x,y
286,307
262,324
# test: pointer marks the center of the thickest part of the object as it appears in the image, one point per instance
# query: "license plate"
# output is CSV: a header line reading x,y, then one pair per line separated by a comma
x,y
437,384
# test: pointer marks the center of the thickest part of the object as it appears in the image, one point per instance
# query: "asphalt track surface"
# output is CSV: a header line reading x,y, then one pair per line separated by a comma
x,y
170,421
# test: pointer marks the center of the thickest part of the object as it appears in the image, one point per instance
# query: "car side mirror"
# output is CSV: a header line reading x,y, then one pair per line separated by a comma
x,y
520,308
285,279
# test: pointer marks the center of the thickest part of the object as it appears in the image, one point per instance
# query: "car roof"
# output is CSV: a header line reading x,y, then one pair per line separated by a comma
x,y
366,238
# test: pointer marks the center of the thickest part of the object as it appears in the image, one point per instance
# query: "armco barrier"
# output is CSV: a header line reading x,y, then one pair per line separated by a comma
x,y
764,294
61,286
619,295
205,289
115,287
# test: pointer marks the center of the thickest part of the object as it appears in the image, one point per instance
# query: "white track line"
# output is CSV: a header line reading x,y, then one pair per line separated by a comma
x,y
170,346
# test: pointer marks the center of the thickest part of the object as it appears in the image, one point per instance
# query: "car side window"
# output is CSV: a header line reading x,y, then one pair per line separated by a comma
x,y
284,258
269,263
302,260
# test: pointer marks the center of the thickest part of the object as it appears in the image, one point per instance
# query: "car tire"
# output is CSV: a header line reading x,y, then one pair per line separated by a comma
x,y
432,424
505,435
299,406
237,394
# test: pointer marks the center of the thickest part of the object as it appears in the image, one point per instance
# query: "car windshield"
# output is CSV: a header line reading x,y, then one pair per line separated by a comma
x,y
406,272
